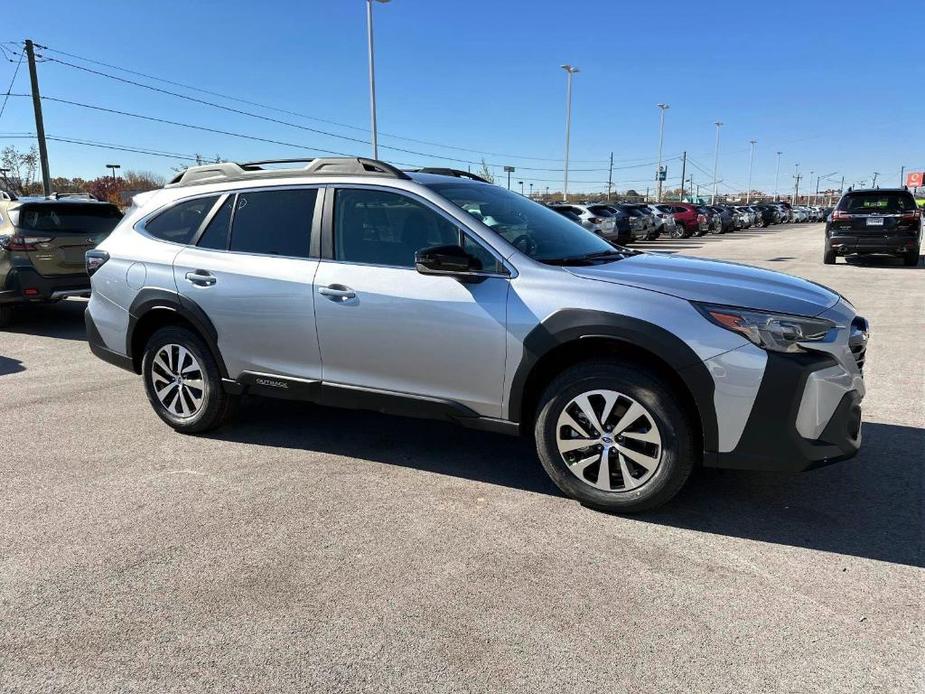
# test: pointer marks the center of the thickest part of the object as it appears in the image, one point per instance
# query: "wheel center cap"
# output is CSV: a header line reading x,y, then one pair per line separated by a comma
x,y
607,440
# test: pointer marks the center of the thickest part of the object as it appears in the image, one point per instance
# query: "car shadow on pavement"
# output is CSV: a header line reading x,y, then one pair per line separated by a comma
x,y
9,365
870,506
884,261
63,320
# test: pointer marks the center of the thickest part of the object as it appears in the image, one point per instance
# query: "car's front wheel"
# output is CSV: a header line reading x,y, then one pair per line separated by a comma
x,y
183,382
828,257
911,259
614,437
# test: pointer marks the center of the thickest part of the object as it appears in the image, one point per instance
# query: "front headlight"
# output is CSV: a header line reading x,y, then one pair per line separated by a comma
x,y
772,331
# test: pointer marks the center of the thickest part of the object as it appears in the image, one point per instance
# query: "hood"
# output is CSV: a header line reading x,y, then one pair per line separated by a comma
x,y
715,282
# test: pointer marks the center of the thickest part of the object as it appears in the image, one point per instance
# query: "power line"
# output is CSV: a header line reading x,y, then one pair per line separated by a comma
x,y
279,110
6,97
102,145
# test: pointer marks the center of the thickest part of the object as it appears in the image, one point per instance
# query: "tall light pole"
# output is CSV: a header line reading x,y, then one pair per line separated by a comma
x,y
661,134
374,137
571,70
113,167
776,177
751,156
718,124
531,191
521,187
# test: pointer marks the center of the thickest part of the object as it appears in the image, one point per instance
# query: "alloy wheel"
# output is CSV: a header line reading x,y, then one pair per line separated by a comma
x,y
609,441
178,380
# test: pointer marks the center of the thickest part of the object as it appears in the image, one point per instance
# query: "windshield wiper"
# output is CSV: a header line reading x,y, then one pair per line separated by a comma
x,y
591,258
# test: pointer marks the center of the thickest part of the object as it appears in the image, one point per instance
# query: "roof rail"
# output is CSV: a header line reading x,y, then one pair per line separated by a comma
x,y
223,171
458,173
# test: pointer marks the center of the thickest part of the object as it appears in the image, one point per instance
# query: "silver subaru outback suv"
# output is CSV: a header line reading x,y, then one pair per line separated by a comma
x,y
351,283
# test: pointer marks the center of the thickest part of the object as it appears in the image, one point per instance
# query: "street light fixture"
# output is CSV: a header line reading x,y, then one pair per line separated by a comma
x,y
571,70
718,124
113,167
751,157
661,132
374,138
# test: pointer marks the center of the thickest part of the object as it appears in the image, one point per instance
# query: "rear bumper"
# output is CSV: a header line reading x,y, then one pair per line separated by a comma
x,y
799,392
844,244
99,348
25,284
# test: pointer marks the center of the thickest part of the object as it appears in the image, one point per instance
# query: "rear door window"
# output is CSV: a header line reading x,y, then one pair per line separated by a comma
x,y
217,233
274,222
179,223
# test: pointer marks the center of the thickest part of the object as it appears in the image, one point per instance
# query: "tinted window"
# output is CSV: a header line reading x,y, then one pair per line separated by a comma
x,y
885,202
180,222
600,211
274,222
68,217
532,228
216,234
382,228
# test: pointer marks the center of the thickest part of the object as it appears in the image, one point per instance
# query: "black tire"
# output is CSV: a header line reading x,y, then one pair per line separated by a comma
x,y
678,449
678,232
6,315
911,259
828,257
217,405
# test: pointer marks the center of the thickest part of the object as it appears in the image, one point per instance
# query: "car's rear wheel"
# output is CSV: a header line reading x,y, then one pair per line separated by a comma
x,y
828,257
614,437
183,382
678,232
911,259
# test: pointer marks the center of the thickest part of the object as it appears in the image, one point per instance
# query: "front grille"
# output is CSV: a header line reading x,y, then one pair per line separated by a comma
x,y
857,340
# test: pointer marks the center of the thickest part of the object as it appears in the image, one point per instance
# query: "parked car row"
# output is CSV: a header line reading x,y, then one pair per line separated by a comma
x,y
624,223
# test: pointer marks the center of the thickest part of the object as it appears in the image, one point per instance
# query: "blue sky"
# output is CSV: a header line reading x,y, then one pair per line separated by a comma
x,y
836,86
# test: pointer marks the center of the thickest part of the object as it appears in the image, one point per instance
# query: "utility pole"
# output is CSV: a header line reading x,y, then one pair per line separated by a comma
x,y
816,194
374,139
796,187
610,177
571,70
683,174
661,136
39,122
902,174
751,156
776,177
718,124
874,184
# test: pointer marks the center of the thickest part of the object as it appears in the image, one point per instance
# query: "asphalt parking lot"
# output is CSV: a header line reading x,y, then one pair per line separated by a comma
x,y
316,549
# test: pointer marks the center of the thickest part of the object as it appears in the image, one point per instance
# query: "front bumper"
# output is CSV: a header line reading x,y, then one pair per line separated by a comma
x,y
25,284
806,414
844,244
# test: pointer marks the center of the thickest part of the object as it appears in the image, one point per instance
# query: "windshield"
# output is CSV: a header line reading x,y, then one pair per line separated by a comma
x,y
884,203
531,228
68,217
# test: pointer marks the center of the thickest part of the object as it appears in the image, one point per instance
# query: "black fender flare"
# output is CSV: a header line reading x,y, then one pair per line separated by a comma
x,y
571,325
150,299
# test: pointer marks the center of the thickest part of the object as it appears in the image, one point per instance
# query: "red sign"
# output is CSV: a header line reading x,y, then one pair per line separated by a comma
x,y
915,179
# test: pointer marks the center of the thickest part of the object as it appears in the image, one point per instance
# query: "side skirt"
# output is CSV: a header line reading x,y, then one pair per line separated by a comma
x,y
358,398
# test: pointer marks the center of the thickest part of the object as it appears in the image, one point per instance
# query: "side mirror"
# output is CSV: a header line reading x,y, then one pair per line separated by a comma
x,y
443,260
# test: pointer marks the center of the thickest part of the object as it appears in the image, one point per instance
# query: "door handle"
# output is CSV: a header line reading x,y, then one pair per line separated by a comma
x,y
201,278
337,292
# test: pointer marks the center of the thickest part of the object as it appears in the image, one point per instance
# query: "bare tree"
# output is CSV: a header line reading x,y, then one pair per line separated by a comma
x,y
486,173
21,168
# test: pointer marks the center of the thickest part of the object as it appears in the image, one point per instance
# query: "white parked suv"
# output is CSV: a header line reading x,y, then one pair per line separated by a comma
x,y
351,283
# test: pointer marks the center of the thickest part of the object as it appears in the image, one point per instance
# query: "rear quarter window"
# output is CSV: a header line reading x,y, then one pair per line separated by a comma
x,y
179,223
